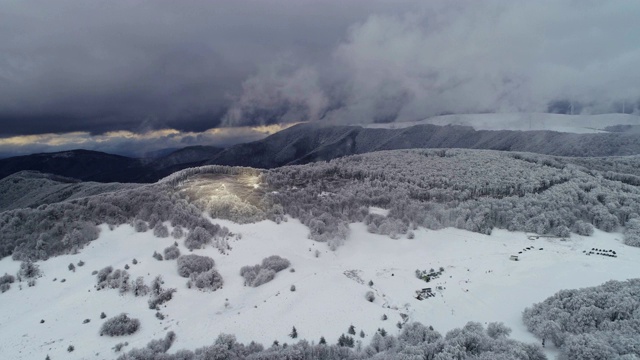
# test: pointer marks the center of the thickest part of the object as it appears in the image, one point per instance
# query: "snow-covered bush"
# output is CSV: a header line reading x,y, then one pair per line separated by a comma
x,y
177,232
119,326
197,238
139,288
256,275
7,279
209,280
194,264
140,225
158,299
275,263
29,270
113,279
369,296
171,252
160,230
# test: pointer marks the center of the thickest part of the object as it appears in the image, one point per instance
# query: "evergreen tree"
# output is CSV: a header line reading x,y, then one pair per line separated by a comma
x,y
352,330
294,333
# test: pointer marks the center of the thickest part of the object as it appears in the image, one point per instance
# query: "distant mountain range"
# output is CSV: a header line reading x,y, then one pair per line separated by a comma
x,y
307,143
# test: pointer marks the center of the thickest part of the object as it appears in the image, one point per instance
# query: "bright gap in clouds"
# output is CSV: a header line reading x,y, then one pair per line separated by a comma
x,y
134,144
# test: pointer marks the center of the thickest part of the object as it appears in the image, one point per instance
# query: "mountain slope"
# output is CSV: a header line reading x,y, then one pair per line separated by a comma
x,y
80,164
307,143
30,189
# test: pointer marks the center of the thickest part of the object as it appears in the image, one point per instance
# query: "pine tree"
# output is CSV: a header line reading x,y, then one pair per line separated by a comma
x,y
361,333
294,333
352,330
322,340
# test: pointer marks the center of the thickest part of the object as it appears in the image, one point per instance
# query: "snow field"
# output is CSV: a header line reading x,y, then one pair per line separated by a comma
x,y
479,283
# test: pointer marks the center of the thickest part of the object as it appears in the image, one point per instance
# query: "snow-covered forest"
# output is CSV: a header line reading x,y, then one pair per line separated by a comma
x,y
473,190
415,342
599,322
467,189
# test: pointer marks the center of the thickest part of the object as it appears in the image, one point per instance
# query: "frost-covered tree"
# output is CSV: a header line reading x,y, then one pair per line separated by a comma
x,y
194,264
197,238
171,253
210,280
256,275
119,326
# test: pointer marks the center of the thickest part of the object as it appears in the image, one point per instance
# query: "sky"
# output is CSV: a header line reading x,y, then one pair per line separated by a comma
x,y
132,76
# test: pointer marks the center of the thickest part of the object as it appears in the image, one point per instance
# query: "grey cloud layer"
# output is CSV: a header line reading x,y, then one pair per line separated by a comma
x,y
191,65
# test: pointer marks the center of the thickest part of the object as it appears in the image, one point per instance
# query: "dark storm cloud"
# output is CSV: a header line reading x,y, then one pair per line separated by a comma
x,y
100,65
142,65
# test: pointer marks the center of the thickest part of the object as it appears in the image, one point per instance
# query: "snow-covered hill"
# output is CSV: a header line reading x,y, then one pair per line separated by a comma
x,y
578,124
479,283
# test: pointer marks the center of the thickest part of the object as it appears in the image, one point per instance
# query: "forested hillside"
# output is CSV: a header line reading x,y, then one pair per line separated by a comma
x,y
599,322
467,189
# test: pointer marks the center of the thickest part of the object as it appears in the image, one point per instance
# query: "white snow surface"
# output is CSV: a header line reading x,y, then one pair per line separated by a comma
x,y
525,121
479,283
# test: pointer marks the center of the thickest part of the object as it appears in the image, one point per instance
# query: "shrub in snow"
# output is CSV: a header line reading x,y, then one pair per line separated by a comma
x,y
263,277
156,300
72,267
28,270
103,274
71,348
119,326
119,347
293,288
197,238
171,252
177,232
194,264
156,349
103,315
140,225
80,263
7,279
208,280
369,296
139,288
4,287
275,263
157,256
160,230
113,279
256,275
156,285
